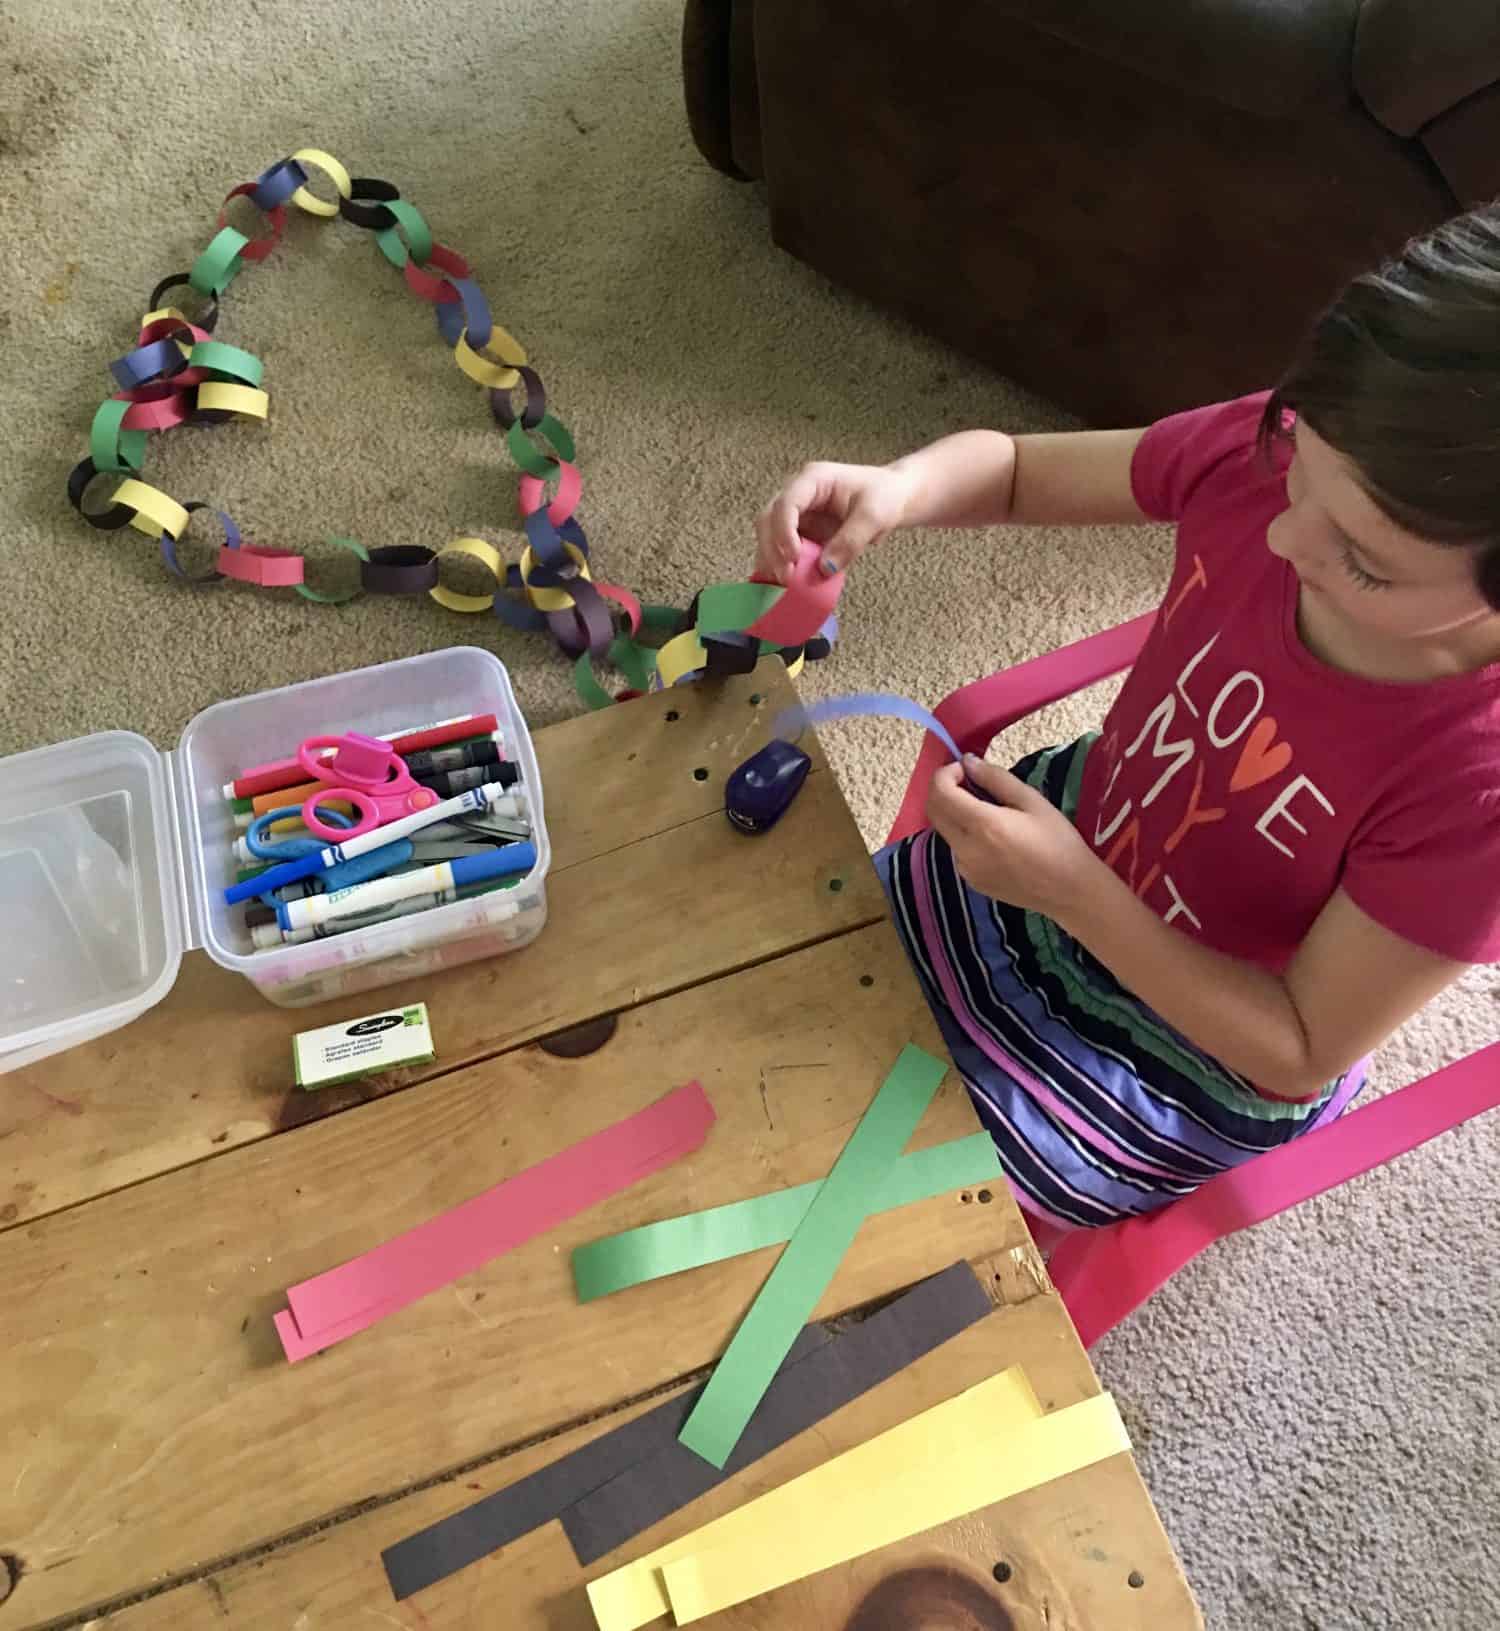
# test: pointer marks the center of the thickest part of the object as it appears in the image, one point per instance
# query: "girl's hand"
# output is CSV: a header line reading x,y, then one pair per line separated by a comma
x,y
844,507
1020,849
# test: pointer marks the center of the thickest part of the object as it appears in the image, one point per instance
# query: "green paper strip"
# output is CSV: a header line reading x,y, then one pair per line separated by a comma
x,y
700,1238
730,607
811,1258
526,453
112,448
219,358
663,619
586,684
635,661
214,269
318,596
417,244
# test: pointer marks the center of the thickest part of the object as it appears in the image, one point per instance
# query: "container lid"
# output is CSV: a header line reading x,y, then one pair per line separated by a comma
x,y
91,920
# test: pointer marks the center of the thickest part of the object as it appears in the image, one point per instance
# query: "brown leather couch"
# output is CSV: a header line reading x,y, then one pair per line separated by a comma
x,y
1130,206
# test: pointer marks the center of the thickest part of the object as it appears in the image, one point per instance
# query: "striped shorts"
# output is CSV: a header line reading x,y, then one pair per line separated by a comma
x,y
1098,1107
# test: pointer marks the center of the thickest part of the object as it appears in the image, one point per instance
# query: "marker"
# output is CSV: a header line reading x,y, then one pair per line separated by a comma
x,y
479,798
289,772
268,936
429,880
462,756
447,783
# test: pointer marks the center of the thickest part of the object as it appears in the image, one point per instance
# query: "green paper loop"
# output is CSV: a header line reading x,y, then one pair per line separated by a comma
x,y
112,448
699,1238
587,685
219,358
321,598
635,661
417,243
215,268
731,607
526,453
812,1256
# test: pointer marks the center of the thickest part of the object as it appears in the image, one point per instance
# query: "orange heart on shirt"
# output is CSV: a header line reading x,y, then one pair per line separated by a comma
x,y
1261,757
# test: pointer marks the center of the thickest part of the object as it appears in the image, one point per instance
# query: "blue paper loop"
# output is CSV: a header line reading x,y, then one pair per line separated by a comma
x,y
875,704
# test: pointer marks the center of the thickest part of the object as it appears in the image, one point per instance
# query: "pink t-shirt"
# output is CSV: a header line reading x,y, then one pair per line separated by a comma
x,y
1240,781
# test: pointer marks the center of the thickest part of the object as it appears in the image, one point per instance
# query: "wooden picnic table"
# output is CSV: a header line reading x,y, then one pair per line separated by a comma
x,y
162,1465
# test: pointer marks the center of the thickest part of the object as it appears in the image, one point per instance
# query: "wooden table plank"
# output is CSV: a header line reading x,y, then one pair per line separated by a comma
x,y
149,1423
209,1069
1071,1547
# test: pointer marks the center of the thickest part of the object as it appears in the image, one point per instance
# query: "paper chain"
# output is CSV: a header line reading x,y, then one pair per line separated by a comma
x,y
178,373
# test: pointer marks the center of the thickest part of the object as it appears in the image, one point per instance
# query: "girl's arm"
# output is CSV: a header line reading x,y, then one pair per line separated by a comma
x,y
976,478
1349,985
984,478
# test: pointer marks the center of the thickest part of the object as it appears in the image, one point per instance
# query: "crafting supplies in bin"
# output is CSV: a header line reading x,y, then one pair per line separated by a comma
x,y
106,923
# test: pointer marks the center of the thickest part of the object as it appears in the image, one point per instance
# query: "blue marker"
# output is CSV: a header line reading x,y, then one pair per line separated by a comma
x,y
446,876
492,797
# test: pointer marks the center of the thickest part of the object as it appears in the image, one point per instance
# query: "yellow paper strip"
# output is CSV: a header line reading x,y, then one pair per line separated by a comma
x,y
682,654
156,512
546,599
797,1533
224,397
493,364
637,1594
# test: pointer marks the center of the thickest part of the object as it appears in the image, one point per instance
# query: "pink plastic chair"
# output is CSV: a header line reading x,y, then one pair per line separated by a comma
x,y
1104,1274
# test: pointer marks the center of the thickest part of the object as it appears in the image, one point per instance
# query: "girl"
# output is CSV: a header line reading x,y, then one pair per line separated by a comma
x,y
1166,946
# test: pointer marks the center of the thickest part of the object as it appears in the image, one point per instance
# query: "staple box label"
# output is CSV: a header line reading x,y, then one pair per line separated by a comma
x,y
359,1047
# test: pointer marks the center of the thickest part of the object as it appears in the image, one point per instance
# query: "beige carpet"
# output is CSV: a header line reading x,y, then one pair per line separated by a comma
x,y
1314,1406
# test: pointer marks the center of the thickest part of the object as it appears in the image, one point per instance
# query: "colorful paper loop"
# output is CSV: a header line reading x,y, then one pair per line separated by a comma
x,y
493,364
314,158
219,396
215,269
110,446
169,323
349,1298
408,238
532,493
169,547
256,249
478,550
812,1256
365,205
155,511
531,414
218,358
335,597
184,280
807,604
862,704
399,569
529,456
265,568
548,599
155,407
276,185
698,1238
110,520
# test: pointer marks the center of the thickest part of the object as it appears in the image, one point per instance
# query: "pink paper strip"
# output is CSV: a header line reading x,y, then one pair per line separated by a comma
x,y
805,607
343,1300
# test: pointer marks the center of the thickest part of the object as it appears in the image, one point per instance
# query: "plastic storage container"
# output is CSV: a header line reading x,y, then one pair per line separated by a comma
x,y
114,858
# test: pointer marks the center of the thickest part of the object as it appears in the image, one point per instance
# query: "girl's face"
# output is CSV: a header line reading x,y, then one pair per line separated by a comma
x,y
1363,568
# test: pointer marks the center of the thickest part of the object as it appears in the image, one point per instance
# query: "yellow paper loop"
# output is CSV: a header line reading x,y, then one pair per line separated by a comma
x,y
155,511
494,364
479,550
336,173
548,599
682,654
185,346
224,397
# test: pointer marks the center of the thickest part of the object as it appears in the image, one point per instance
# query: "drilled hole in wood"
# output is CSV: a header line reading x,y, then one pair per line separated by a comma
x,y
867,980
835,885
985,1197
670,715
756,699
1135,1579
700,774
966,1197
1001,1572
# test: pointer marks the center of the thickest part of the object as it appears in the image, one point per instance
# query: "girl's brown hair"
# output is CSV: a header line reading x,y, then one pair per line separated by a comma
x,y
1401,375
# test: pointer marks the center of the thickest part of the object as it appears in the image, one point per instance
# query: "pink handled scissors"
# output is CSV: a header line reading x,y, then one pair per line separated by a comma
x,y
366,774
